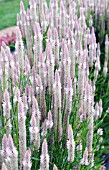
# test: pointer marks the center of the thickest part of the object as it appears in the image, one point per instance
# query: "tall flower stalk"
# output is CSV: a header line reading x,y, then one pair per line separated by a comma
x,y
22,132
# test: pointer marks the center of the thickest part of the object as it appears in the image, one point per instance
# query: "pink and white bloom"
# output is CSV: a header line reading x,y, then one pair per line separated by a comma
x,y
44,159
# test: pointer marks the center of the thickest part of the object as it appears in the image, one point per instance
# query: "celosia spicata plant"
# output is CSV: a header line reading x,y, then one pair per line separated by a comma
x,y
50,113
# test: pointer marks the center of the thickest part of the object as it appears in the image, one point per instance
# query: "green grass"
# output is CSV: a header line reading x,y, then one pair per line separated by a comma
x,y
8,12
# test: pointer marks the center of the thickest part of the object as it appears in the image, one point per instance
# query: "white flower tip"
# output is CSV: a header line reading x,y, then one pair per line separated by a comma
x,y
44,147
55,167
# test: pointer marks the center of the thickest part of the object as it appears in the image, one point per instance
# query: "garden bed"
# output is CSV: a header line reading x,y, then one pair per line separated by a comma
x,y
55,89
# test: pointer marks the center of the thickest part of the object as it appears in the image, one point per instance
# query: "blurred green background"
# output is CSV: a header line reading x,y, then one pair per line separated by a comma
x,y
8,11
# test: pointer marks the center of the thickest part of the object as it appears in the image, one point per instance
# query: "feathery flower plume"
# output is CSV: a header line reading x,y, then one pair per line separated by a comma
x,y
54,5
90,21
56,47
90,127
34,132
72,53
57,105
97,115
44,128
28,92
43,23
8,127
24,99
42,98
63,18
55,167
67,65
49,36
37,44
50,63
4,72
19,24
15,77
28,34
27,162
41,67
69,94
100,108
17,95
22,132
6,105
33,11
10,62
35,111
4,147
22,13
84,160
19,49
49,120
62,67
34,81
12,153
79,147
44,160
6,110
81,73
70,145
105,68
106,47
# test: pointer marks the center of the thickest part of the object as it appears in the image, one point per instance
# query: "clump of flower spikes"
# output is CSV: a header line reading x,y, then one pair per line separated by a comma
x,y
66,34
9,153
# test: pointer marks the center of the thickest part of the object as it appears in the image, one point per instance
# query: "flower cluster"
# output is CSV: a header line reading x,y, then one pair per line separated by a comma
x,y
49,85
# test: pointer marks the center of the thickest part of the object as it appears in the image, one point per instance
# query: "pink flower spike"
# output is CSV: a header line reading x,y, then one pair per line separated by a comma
x,y
55,167
22,9
44,161
70,132
85,158
27,162
107,39
70,144
33,121
44,147
49,121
